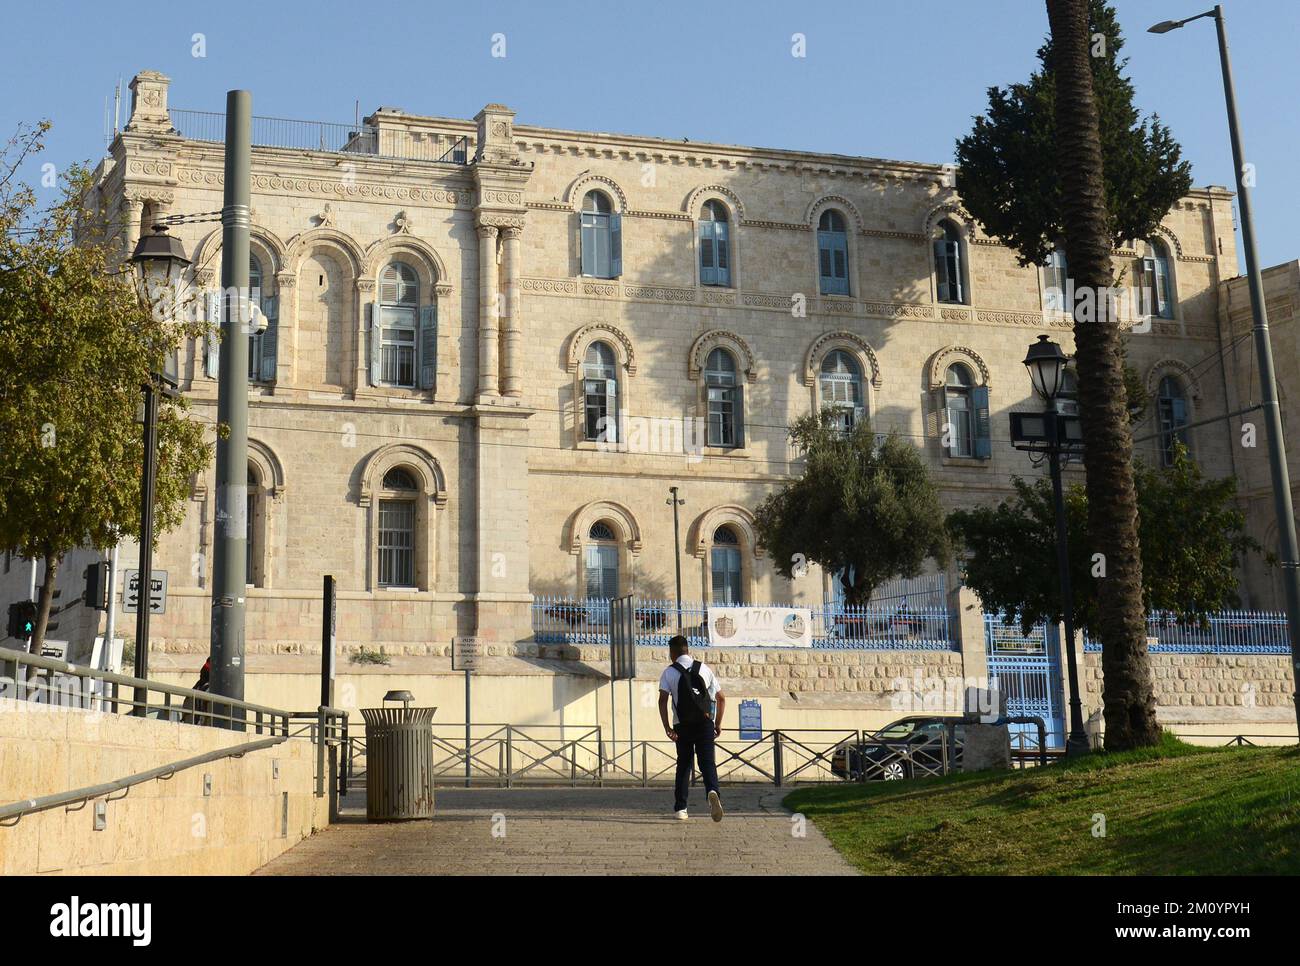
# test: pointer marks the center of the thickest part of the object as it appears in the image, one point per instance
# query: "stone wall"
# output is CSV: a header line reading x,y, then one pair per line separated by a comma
x,y
258,806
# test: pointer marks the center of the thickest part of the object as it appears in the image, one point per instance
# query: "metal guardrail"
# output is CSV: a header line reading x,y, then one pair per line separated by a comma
x,y
14,812
58,684
889,625
323,136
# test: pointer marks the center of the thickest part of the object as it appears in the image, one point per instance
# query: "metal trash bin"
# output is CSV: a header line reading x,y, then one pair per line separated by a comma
x,y
399,763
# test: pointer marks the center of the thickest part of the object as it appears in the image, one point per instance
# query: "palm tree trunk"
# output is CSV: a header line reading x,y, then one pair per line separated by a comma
x,y
1127,693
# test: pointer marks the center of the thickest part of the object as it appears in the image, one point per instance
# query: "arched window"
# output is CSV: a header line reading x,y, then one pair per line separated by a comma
x,y
950,273
726,409
600,393
961,418
715,245
724,562
397,529
600,562
833,253
1155,283
1171,412
399,304
262,345
841,384
1055,274
602,237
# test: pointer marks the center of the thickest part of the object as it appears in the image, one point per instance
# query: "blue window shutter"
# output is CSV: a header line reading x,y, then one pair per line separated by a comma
x,y
983,443
212,344
611,410
428,345
615,246
722,253
739,411
376,345
271,309
588,244
708,258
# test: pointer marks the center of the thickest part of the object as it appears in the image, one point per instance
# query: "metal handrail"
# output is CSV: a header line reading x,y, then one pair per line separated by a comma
x,y
203,708
14,812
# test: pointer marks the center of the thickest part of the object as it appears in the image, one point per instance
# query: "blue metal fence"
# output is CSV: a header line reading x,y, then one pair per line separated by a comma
x,y
281,132
890,625
1225,632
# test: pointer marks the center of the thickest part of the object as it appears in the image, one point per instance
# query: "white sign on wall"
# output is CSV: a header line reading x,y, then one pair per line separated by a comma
x,y
760,626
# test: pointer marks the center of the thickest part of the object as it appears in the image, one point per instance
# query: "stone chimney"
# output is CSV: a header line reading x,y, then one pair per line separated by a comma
x,y
149,104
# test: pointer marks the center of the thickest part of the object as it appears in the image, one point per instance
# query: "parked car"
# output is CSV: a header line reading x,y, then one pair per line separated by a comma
x,y
899,749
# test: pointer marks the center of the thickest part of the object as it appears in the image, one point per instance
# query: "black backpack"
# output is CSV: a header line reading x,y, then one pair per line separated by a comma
x,y
694,709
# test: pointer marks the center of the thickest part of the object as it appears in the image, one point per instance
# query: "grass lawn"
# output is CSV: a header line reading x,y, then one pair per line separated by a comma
x,y
1168,810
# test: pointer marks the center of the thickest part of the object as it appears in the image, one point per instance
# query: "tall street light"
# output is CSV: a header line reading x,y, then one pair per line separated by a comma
x,y
229,562
159,261
1264,353
675,502
1046,364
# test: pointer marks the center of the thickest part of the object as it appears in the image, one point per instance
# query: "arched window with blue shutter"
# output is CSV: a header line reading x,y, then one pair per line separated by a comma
x,y
725,400
715,245
1171,412
833,253
950,272
1156,283
601,237
724,565
1055,278
841,385
600,393
600,562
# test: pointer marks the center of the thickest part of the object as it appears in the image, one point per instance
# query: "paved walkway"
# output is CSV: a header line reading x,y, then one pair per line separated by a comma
x,y
570,831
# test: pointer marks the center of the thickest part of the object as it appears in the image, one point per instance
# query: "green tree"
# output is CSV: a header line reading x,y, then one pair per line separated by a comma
x,y
861,507
1193,540
77,343
1065,156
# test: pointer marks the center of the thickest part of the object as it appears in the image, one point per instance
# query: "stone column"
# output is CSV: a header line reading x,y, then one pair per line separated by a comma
x,y
512,342
132,217
488,330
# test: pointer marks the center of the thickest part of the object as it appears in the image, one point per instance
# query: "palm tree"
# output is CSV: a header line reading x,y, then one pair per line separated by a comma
x,y
1128,696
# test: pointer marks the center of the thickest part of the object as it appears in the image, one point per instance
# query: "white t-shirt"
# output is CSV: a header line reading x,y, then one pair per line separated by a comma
x,y
670,680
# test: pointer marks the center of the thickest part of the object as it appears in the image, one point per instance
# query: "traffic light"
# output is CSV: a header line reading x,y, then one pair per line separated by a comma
x,y
22,619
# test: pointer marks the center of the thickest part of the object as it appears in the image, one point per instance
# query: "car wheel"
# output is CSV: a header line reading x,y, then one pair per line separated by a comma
x,y
893,772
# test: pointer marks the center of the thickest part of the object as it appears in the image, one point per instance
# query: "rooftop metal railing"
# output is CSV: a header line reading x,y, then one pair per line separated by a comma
x,y
280,132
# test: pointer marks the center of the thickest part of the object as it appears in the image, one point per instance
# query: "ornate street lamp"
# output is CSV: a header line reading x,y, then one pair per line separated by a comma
x,y
1046,364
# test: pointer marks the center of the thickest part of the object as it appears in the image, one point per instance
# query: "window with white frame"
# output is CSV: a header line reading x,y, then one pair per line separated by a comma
x,y
397,529
1055,275
833,253
600,562
841,386
725,400
950,272
724,561
600,393
961,418
1155,284
399,305
601,237
715,245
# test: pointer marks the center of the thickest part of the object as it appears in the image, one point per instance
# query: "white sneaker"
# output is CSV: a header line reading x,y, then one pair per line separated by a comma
x,y
681,816
715,806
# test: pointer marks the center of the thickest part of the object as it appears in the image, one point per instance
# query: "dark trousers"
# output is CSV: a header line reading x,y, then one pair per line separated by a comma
x,y
697,745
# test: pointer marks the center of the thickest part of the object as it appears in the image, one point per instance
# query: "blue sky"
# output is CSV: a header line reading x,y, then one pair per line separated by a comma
x,y
881,78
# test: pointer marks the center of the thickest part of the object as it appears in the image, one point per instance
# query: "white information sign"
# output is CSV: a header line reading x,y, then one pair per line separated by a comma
x,y
760,626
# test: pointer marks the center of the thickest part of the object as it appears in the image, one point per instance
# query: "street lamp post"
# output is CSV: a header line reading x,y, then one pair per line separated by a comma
x,y
1046,364
159,260
1282,505
677,551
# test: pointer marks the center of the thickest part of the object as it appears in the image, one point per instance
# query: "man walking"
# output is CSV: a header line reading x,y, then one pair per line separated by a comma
x,y
694,690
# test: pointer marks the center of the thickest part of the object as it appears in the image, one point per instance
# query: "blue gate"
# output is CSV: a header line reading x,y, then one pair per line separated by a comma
x,y
1028,673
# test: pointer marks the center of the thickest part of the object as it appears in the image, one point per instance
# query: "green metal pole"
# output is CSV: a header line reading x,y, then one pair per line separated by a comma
x,y
229,563
1272,410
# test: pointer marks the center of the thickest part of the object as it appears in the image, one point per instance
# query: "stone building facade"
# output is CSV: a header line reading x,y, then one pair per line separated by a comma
x,y
439,463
